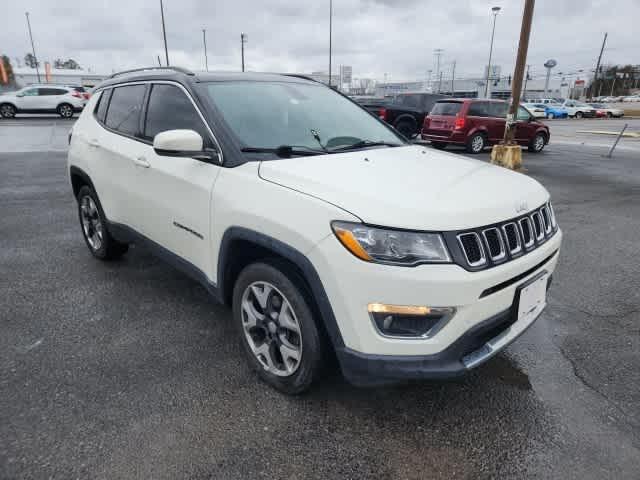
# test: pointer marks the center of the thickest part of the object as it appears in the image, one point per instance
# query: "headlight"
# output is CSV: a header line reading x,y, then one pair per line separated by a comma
x,y
394,247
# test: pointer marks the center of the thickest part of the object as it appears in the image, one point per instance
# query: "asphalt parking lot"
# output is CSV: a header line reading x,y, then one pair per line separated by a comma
x,y
129,370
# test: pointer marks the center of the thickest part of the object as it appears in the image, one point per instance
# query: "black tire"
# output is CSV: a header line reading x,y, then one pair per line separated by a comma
x,y
65,110
550,116
537,143
407,128
439,145
578,115
609,115
312,348
476,143
7,110
108,248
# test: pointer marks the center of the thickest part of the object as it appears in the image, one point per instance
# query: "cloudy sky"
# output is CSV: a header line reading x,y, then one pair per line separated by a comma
x,y
374,36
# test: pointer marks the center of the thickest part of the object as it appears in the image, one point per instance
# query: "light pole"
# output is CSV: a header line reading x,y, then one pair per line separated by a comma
x,y
164,34
495,11
33,49
243,40
330,35
204,41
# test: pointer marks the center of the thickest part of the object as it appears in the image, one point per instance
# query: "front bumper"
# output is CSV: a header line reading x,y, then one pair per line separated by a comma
x,y
472,349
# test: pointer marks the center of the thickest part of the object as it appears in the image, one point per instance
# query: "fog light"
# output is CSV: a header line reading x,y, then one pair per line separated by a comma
x,y
404,321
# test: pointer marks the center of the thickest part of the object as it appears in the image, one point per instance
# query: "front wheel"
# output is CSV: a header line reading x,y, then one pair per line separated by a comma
x,y
550,116
537,143
406,128
578,115
277,329
65,110
7,110
476,143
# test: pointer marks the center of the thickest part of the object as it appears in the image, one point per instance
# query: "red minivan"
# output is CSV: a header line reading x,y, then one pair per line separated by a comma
x,y
476,123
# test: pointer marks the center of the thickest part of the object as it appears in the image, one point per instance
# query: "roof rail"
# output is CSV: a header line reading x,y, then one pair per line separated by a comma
x,y
175,69
302,76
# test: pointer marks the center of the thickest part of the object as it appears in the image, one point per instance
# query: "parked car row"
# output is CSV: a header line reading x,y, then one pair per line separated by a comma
x,y
65,100
628,98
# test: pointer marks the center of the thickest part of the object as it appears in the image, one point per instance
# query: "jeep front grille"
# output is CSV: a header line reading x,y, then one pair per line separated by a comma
x,y
491,245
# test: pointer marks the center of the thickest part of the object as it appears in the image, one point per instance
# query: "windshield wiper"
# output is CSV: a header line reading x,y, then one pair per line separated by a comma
x,y
364,144
285,151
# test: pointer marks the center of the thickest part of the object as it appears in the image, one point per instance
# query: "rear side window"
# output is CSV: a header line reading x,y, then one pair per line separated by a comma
x,y
412,101
170,109
52,91
103,103
446,108
479,109
124,109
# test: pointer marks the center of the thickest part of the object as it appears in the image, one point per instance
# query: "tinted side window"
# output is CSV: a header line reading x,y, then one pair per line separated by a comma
x,y
479,109
103,103
169,109
498,109
412,101
32,92
523,114
51,91
449,109
124,109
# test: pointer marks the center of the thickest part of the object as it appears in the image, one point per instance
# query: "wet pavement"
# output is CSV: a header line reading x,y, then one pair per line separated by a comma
x,y
129,370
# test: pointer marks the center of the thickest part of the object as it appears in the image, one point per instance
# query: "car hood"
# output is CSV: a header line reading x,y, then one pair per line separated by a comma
x,y
410,187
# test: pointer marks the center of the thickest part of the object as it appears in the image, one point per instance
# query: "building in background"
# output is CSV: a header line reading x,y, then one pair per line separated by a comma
x,y
25,76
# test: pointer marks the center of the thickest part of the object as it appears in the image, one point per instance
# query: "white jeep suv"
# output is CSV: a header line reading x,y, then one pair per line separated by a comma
x,y
60,99
325,230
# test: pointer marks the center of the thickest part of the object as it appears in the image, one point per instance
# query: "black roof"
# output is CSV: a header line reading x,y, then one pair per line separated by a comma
x,y
182,75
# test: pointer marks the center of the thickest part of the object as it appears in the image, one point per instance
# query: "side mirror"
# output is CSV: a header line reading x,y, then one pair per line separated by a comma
x,y
182,143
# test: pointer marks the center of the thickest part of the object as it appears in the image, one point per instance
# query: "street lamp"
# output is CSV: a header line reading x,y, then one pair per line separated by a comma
x,y
495,11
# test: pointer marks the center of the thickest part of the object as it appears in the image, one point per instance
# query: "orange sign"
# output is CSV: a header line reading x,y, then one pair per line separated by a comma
x,y
3,72
47,72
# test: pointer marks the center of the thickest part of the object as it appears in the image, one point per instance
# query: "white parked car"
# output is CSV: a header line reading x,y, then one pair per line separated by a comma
x,y
326,231
64,101
578,109
537,110
632,98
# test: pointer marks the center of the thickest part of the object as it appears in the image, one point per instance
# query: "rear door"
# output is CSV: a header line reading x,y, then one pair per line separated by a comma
x,y
176,191
50,97
442,118
118,145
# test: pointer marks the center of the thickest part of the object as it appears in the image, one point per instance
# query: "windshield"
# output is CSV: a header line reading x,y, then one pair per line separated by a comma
x,y
300,115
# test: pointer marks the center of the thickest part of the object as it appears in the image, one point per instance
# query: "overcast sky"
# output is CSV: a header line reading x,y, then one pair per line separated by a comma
x,y
374,36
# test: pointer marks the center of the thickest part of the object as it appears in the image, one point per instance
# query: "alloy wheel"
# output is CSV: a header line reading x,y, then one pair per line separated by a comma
x,y
91,223
66,111
7,111
271,329
538,143
477,143
550,116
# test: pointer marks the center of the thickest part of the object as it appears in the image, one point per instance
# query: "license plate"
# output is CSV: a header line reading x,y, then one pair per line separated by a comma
x,y
533,298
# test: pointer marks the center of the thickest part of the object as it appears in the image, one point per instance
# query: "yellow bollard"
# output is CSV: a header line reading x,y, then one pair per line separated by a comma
x,y
508,156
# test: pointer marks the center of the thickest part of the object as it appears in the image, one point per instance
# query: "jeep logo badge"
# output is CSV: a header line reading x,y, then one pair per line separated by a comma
x,y
521,207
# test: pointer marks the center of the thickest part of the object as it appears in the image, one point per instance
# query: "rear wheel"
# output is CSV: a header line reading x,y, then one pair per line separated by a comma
x,y
7,110
578,115
439,145
609,115
277,329
537,143
94,227
476,143
406,128
65,110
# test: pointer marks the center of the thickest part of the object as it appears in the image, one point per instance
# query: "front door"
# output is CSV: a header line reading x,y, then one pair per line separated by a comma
x,y
28,100
525,128
177,190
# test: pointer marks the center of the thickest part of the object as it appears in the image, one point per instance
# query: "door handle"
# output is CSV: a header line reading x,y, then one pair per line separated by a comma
x,y
94,143
141,162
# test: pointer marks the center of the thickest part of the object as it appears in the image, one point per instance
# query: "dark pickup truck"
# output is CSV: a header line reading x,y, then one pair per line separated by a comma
x,y
406,111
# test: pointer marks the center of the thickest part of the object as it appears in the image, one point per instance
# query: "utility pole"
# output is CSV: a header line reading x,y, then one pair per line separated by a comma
x,y
526,79
440,83
159,62
243,40
204,41
453,75
595,74
614,83
495,11
330,34
523,47
438,53
33,49
164,34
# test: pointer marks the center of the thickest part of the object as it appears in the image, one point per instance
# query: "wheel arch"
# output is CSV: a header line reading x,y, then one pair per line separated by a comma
x,y
241,246
79,178
405,117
